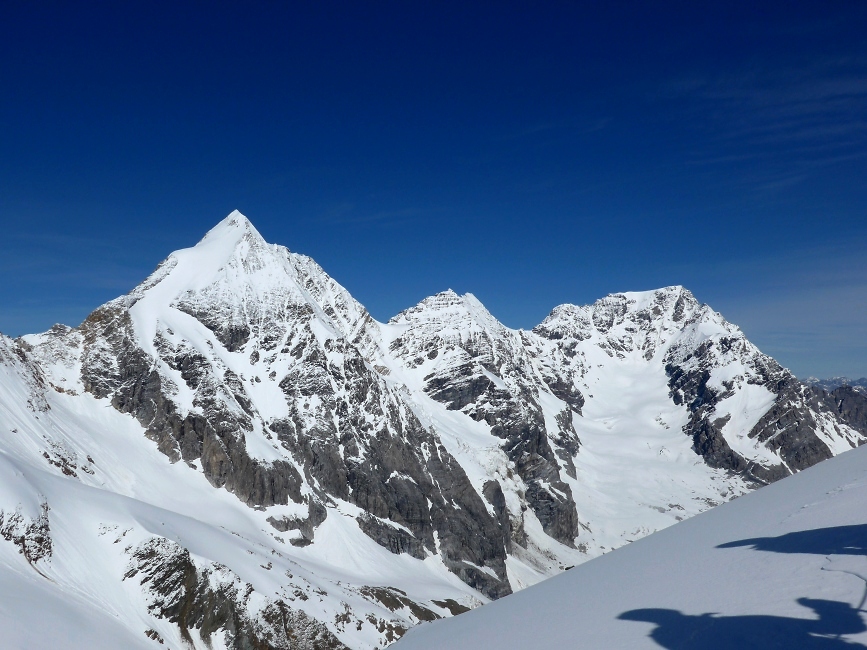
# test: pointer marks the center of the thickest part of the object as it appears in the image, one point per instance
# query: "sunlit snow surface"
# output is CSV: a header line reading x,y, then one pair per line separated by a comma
x,y
783,567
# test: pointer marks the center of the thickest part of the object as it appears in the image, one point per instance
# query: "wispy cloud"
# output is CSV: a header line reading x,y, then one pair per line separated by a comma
x,y
794,121
349,213
807,308
820,332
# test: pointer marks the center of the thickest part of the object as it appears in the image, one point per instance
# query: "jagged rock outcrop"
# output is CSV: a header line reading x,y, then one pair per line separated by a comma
x,y
204,600
31,536
471,363
850,406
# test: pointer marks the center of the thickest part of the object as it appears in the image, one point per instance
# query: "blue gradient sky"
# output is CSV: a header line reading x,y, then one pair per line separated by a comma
x,y
531,156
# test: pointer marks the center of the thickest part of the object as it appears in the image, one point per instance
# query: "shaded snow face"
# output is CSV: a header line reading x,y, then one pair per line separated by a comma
x,y
365,476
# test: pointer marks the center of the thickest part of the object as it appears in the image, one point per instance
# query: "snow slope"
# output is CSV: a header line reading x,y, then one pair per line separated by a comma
x,y
783,567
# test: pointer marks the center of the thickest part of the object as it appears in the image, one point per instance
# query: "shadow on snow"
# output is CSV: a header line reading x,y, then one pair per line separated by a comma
x,y
677,631
836,540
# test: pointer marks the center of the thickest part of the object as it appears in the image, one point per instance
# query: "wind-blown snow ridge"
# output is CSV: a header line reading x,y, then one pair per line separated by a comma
x,y
239,430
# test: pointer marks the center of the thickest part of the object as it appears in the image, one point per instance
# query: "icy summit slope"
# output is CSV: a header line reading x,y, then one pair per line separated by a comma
x,y
236,453
783,567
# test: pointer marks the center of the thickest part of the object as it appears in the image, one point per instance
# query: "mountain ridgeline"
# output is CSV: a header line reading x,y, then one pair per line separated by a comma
x,y
384,473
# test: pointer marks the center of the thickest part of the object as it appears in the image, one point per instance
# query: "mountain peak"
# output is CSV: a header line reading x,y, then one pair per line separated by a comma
x,y
654,307
452,307
638,300
234,228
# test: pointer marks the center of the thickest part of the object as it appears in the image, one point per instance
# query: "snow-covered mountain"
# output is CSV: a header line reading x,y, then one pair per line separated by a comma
x,y
237,454
784,567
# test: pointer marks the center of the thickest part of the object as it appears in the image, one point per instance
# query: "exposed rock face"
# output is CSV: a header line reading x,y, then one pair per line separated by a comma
x,y
211,599
450,443
213,431
31,536
340,428
485,371
797,427
850,405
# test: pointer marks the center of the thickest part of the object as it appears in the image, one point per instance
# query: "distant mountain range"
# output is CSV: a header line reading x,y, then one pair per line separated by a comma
x,y
833,383
236,454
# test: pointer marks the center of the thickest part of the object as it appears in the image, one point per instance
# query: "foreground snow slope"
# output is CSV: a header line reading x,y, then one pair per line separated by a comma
x,y
782,567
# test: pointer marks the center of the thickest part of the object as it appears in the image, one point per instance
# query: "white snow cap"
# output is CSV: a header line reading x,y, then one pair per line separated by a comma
x,y
234,227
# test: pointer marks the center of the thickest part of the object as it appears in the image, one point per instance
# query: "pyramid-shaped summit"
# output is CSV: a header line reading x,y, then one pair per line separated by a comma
x,y
234,227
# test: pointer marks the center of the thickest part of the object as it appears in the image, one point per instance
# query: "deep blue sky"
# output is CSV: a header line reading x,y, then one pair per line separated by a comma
x,y
530,153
